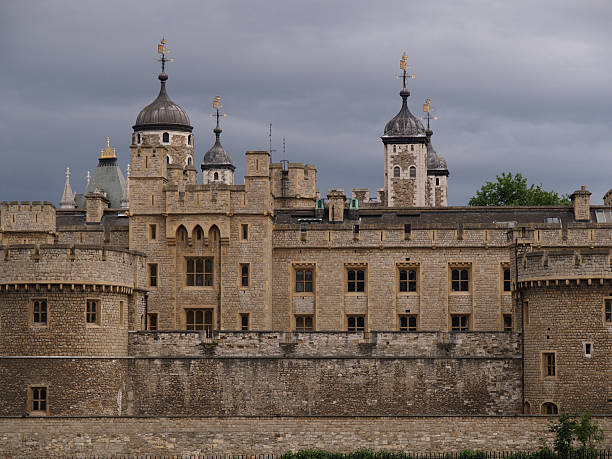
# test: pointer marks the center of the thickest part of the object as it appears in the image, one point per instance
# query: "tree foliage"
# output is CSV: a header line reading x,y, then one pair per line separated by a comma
x,y
512,190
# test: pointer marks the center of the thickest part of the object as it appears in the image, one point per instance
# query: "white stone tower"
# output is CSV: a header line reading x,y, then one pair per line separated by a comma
x,y
217,166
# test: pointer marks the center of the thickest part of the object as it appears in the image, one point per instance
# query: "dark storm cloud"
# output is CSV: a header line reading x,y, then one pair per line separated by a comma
x,y
520,86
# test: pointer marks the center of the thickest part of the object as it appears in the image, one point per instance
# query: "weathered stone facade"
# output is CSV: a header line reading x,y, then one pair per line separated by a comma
x,y
262,299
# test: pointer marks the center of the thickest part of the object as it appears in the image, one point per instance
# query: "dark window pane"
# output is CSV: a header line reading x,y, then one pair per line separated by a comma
x,y
308,275
403,275
360,321
412,275
361,274
464,274
455,274
299,276
351,275
308,323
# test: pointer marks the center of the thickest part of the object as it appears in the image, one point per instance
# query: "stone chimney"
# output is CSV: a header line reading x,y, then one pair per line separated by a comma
x,y
336,199
96,203
581,200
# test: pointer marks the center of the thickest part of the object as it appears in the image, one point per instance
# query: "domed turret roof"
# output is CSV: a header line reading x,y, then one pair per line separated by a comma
x,y
162,113
434,160
404,124
217,157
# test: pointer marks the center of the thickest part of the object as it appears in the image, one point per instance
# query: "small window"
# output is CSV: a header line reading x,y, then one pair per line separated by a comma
x,y
138,138
394,148
189,140
527,408
355,323
608,311
181,234
460,322
355,230
38,402
189,160
549,364
407,230
199,272
199,319
408,322
92,312
244,232
199,234
412,172
437,181
396,171
165,138
168,159
153,232
39,312
588,349
303,280
355,280
244,275
152,274
411,147
216,176
304,323
549,408
244,322
152,317
407,280
460,280
507,283
507,322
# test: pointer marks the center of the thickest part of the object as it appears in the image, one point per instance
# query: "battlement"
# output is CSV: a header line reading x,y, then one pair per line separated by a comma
x,y
546,268
35,216
70,267
294,186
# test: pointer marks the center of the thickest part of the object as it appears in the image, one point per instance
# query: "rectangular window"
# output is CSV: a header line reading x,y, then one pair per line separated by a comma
x,y
507,283
588,349
244,275
407,280
92,313
460,279
199,319
408,322
355,280
244,321
304,323
244,232
355,323
407,231
608,311
507,322
39,312
199,272
549,364
38,400
152,232
303,280
152,321
460,322
152,274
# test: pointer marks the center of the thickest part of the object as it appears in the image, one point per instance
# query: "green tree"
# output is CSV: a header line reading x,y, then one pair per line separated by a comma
x,y
512,190
587,433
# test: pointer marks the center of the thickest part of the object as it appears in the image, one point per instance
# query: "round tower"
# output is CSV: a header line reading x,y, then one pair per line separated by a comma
x,y
565,305
217,165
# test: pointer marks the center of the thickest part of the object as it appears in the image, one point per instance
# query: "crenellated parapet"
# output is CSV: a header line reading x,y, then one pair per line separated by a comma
x,y
27,222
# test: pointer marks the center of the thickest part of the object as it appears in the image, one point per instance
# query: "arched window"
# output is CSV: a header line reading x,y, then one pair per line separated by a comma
x,y
181,235
549,408
437,181
412,172
138,138
396,171
198,233
189,139
411,147
168,159
165,137
216,176
188,160
527,408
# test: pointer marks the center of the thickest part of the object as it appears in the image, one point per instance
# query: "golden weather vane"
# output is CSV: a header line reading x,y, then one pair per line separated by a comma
x,y
428,110
217,106
404,67
162,50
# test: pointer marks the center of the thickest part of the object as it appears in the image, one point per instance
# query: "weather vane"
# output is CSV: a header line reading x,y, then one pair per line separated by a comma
x,y
161,49
216,106
404,67
428,110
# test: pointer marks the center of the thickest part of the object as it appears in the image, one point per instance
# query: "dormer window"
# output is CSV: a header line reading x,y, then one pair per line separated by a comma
x,y
412,172
396,171
165,137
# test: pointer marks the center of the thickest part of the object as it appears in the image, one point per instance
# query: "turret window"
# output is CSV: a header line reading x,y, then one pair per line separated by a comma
x,y
165,137
39,312
138,138
412,172
216,176
396,171
168,159
437,181
189,160
189,139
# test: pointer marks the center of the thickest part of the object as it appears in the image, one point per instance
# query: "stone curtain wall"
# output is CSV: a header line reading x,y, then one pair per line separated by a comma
x,y
266,435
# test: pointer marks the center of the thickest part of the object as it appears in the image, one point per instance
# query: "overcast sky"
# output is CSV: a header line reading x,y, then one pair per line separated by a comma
x,y
520,86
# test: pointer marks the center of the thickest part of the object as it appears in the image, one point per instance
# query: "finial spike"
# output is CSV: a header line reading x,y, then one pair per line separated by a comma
x,y
404,67
428,110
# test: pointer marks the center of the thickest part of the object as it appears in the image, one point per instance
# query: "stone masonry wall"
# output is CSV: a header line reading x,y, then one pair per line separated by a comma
x,y
267,435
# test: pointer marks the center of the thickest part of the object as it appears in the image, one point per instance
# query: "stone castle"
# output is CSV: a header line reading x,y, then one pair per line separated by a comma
x,y
168,294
